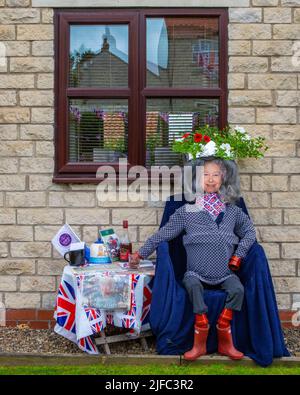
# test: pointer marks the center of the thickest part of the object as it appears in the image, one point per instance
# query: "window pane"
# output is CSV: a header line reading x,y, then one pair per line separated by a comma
x,y
98,130
98,56
182,51
168,119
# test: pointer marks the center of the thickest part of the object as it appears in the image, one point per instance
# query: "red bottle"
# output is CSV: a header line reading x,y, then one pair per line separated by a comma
x,y
125,244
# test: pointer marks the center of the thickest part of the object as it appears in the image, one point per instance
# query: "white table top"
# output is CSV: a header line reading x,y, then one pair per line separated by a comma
x,y
110,267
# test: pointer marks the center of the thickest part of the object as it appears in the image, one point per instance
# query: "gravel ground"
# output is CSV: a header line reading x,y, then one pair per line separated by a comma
x,y
22,339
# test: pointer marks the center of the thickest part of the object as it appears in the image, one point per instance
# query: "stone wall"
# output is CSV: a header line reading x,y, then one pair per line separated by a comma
x,y
264,97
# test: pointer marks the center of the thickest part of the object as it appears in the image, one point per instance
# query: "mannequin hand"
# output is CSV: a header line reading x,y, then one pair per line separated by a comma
x,y
235,263
134,260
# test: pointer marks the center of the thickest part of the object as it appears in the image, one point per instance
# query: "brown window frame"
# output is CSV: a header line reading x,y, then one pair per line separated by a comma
x,y
136,93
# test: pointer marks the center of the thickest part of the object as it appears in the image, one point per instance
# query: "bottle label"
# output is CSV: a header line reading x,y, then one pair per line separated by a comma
x,y
124,254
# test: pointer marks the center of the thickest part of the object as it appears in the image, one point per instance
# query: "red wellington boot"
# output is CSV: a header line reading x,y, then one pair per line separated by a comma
x,y
225,344
200,337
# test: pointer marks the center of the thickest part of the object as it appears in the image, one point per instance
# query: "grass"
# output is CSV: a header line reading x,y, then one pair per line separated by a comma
x,y
151,369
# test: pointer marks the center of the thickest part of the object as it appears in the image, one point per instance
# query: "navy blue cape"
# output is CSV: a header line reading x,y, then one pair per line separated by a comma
x,y
256,329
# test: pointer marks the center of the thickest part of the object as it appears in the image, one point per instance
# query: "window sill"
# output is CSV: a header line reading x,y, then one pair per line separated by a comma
x,y
133,3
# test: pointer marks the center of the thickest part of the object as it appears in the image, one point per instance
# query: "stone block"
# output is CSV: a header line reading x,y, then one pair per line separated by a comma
x,y
249,98
40,216
288,98
36,165
37,283
285,64
249,31
45,81
7,32
279,15
8,283
280,233
32,65
85,216
286,132
236,80
253,165
16,233
134,216
276,115
14,115
10,16
44,148
36,132
286,285
39,32
271,250
272,81
241,115
295,183
44,98
42,115
292,217
9,183
3,250
47,232
280,267
280,148
286,199
239,47
290,250
18,3
22,300
8,132
72,199
266,217
289,31
248,64
30,250
269,183
26,199
245,15
287,165
42,48
8,165
272,47
15,81
7,216
8,98
17,266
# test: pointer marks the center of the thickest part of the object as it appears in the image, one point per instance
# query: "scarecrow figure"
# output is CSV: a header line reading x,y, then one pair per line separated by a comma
x,y
218,236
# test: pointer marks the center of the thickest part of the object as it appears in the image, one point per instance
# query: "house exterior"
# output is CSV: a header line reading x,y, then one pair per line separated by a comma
x,y
260,57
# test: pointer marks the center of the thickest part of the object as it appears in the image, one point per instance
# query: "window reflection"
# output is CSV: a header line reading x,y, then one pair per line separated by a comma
x,y
168,119
182,51
98,56
98,130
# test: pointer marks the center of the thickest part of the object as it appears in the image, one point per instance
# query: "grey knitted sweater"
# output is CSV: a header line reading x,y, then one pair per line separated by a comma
x,y
209,246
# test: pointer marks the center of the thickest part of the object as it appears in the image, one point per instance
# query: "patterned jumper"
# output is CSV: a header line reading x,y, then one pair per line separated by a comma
x,y
209,245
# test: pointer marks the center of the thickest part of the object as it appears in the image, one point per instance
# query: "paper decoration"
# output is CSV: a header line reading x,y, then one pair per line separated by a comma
x,y
64,238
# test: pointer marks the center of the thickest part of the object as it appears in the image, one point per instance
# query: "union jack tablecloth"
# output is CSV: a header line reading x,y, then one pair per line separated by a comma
x,y
79,323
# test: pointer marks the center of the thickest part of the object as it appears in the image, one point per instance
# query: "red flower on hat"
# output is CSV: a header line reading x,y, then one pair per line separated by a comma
x,y
206,139
186,135
197,137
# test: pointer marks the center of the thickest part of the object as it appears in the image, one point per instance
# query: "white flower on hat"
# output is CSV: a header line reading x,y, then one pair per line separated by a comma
x,y
180,139
240,129
209,149
227,148
246,137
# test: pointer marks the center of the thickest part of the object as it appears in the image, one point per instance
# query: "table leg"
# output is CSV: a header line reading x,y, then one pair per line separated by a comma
x,y
144,344
106,346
